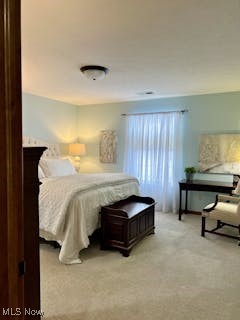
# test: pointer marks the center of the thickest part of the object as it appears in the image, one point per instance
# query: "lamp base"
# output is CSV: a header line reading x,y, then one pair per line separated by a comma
x,y
76,163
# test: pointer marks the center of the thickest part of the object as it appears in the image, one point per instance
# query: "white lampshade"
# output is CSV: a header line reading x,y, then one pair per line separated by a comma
x,y
94,72
77,149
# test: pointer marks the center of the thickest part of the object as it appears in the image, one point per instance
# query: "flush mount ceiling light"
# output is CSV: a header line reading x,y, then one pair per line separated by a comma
x,y
94,72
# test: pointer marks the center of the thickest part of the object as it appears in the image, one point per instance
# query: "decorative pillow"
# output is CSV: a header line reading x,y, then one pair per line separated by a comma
x,y
57,167
40,173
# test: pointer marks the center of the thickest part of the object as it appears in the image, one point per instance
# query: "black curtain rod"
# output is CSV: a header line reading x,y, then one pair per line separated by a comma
x,y
142,113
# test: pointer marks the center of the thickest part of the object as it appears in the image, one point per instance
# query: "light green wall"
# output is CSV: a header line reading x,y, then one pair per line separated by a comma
x,y
56,121
49,120
94,118
212,113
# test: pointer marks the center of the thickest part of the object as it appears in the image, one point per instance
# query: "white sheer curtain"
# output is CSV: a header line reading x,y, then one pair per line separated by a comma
x,y
153,153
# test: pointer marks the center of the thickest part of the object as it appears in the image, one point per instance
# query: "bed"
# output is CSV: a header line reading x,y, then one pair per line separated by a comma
x,y
69,204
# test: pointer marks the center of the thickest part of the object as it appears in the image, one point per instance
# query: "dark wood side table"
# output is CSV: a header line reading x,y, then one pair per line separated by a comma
x,y
201,185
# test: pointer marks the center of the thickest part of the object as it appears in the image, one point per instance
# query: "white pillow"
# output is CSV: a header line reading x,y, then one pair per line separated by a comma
x,y
40,173
57,167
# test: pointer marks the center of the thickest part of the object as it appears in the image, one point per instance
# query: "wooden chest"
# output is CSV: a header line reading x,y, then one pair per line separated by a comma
x,y
126,222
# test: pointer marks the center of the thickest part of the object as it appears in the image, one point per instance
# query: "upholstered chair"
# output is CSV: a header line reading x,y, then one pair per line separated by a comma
x,y
226,212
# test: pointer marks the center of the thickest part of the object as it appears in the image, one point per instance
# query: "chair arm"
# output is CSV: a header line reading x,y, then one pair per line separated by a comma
x,y
226,198
213,206
223,198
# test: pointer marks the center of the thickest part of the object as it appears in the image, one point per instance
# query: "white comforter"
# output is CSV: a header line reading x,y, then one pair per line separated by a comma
x,y
69,207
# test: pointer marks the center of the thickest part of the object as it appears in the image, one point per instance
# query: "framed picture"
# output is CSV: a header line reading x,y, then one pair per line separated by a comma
x,y
219,153
108,146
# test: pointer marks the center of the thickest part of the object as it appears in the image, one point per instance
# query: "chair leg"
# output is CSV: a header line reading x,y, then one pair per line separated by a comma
x,y
203,226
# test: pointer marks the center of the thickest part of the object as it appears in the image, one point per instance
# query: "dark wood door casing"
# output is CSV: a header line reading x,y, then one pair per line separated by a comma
x,y
11,190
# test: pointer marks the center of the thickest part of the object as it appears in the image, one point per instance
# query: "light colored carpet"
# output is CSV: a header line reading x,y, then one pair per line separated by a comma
x,y
172,275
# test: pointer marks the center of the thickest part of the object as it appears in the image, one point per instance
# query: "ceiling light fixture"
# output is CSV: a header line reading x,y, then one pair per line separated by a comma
x,y
94,72
146,93
149,92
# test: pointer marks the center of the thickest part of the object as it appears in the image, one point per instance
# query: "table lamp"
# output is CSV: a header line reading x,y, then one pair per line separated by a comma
x,y
76,150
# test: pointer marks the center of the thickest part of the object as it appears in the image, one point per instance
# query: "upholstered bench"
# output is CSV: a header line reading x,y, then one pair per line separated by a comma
x,y
126,222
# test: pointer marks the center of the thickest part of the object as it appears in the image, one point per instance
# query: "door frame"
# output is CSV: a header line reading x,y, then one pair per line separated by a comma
x,y
11,185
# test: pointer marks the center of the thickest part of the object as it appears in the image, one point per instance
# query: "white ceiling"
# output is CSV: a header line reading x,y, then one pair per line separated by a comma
x,y
178,47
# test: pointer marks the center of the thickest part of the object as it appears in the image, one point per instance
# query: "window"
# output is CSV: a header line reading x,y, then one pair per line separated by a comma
x,y
153,153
